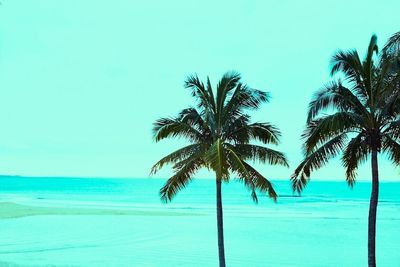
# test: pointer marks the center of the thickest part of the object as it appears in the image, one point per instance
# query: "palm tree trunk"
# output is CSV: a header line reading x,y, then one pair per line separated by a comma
x,y
220,226
373,205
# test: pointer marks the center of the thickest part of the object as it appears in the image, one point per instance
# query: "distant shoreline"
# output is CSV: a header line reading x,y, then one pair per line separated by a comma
x,y
10,210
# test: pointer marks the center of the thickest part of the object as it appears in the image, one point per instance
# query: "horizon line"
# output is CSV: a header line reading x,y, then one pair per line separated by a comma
x,y
160,178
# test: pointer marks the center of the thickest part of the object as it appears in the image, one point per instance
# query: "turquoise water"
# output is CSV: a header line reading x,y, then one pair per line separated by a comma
x,y
327,226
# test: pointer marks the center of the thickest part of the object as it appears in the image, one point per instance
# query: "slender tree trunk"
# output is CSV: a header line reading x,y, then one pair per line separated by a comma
x,y
373,205
220,226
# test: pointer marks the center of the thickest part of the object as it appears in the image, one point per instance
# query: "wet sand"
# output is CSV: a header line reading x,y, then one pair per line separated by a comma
x,y
10,210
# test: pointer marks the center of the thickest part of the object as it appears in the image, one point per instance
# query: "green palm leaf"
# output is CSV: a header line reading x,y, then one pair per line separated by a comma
x,y
321,130
354,154
261,154
315,160
176,156
166,128
183,175
392,148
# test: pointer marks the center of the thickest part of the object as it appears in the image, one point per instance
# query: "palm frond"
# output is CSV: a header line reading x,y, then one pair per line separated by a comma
x,y
183,175
315,160
393,130
392,46
171,127
263,132
323,129
193,118
389,100
348,63
369,69
392,149
388,86
261,154
260,182
237,165
199,92
372,48
243,98
235,131
250,177
211,96
335,96
225,86
354,154
176,156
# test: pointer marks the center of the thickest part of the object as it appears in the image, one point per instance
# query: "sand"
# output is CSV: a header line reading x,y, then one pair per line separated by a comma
x,y
13,210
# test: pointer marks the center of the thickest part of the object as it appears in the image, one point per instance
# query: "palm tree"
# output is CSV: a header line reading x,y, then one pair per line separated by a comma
x,y
219,131
357,117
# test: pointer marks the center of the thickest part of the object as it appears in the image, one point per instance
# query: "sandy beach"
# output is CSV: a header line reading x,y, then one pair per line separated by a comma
x,y
10,210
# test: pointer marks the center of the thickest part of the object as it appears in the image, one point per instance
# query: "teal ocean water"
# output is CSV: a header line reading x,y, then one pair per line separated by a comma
x,y
326,226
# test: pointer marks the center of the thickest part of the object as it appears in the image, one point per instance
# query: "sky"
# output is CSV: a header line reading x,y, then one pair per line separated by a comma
x,y
81,82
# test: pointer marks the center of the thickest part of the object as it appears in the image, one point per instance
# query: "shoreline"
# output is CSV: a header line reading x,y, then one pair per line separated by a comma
x,y
11,210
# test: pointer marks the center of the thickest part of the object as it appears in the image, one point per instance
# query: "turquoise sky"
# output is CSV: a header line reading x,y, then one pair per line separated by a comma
x,y
82,81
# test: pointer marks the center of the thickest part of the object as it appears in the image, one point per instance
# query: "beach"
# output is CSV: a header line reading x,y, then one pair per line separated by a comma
x,y
121,222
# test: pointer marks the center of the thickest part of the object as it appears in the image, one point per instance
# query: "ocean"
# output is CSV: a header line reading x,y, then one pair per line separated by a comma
x,y
122,222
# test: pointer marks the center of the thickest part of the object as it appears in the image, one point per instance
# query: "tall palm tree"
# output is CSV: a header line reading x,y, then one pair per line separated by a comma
x,y
219,131
358,117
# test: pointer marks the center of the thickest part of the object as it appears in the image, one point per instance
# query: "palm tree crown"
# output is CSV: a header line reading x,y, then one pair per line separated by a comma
x,y
355,116
220,131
